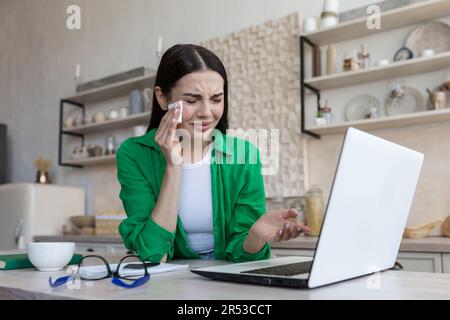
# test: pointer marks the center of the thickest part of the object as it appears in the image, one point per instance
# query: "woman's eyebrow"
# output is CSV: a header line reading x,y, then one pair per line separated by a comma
x,y
196,95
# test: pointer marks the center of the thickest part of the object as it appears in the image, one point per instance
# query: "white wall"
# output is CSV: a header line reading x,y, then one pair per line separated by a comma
x,y
38,55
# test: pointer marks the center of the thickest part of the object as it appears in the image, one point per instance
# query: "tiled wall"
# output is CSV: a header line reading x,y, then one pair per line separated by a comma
x,y
263,65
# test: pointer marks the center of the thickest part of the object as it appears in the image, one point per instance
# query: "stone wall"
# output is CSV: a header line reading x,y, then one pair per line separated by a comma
x,y
263,65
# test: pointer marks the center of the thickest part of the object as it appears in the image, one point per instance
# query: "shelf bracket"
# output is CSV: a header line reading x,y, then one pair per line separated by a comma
x,y
304,86
61,131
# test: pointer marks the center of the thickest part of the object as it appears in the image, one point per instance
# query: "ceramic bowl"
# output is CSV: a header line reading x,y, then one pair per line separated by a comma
x,y
50,256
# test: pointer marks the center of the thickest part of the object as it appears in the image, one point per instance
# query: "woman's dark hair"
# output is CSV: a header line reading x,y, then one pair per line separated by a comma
x,y
178,61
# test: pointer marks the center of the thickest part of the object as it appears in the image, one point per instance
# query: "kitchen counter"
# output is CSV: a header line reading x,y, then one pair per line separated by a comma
x,y
80,239
32,284
430,244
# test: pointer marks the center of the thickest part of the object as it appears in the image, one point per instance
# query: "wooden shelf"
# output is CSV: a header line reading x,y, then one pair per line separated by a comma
x,y
112,124
390,19
411,119
396,69
92,161
114,90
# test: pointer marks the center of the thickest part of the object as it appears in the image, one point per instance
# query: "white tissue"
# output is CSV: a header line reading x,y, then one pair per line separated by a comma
x,y
173,106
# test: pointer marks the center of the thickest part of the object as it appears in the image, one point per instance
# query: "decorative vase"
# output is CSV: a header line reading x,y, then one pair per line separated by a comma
x,y
42,177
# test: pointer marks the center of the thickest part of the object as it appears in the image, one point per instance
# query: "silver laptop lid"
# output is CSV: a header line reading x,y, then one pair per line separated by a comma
x,y
367,209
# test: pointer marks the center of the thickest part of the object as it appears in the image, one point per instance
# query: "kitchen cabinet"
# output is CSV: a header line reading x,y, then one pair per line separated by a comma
x,y
420,261
100,248
446,263
411,261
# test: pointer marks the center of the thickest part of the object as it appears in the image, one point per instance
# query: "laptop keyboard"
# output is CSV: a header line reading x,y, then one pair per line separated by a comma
x,y
291,269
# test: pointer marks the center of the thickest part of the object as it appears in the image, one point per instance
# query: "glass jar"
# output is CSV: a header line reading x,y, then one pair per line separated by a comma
x,y
110,145
364,58
298,204
314,210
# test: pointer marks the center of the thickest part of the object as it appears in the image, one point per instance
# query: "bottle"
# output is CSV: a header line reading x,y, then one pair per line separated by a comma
x,y
110,145
331,59
314,210
300,207
363,58
316,62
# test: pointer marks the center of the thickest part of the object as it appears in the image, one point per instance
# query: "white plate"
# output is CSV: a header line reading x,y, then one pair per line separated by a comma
x,y
359,107
431,35
412,101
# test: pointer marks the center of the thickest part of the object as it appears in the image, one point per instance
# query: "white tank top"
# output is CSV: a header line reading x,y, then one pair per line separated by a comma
x,y
195,206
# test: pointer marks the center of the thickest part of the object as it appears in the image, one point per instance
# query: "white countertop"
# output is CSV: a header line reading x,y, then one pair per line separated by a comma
x,y
429,244
32,284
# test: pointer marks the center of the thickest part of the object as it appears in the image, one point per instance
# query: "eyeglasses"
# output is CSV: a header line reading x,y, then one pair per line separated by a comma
x,y
93,267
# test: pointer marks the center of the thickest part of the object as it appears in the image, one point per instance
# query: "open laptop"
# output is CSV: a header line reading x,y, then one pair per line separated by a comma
x,y
369,203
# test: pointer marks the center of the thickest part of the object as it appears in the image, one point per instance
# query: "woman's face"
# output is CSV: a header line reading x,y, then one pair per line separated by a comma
x,y
203,101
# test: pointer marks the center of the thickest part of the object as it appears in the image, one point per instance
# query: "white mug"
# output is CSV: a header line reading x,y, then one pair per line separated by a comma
x,y
331,6
327,22
310,24
139,130
124,112
427,53
383,62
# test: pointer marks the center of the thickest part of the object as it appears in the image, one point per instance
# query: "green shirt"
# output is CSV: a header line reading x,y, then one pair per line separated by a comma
x,y
238,199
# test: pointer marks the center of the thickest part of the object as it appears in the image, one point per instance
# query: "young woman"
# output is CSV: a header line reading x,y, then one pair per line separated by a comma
x,y
190,190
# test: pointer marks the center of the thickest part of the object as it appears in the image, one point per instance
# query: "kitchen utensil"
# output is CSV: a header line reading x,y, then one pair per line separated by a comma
x,y
361,106
50,256
431,35
410,100
420,231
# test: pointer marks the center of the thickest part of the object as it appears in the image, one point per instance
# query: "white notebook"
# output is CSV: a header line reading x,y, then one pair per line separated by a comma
x,y
98,270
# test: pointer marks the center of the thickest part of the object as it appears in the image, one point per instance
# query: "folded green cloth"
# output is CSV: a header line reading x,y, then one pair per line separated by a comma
x,y
21,261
